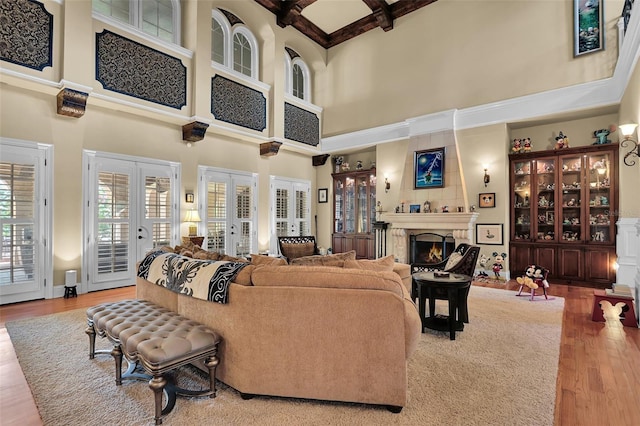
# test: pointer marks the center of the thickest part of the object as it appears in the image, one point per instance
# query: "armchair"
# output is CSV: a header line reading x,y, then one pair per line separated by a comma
x,y
292,247
462,261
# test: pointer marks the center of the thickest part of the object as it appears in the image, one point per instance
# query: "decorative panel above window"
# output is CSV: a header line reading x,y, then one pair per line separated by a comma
x,y
131,68
301,125
237,104
26,33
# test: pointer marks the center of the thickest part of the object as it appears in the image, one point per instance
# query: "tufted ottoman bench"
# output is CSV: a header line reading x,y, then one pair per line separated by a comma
x,y
157,339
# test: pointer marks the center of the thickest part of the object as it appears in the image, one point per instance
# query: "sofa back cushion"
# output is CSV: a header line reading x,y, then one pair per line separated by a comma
x,y
381,264
336,259
260,259
325,277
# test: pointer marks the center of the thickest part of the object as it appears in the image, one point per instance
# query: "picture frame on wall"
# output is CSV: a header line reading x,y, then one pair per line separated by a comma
x,y
588,26
323,194
428,168
489,234
486,200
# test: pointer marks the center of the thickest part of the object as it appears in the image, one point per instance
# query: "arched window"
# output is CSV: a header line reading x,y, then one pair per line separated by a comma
x,y
233,45
158,18
297,76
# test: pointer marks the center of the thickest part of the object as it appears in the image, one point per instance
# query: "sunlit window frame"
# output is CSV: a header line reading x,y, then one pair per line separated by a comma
x,y
229,33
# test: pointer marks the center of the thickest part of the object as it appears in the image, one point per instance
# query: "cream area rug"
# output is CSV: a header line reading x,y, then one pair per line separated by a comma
x,y
484,377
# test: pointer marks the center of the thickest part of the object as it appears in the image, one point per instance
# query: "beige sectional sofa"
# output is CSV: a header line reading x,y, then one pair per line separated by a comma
x,y
319,332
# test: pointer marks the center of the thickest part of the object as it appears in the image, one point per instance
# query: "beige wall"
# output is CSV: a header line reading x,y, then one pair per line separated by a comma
x,y
630,175
456,54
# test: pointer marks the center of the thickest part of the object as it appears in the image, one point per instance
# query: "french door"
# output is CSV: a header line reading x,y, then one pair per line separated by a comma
x,y
228,208
131,208
290,209
25,192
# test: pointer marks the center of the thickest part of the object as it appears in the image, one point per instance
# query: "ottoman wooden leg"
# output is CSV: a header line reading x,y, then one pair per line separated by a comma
x,y
157,385
116,352
91,332
212,363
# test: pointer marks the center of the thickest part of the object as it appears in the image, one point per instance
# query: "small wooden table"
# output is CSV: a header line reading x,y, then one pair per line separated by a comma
x,y
456,289
628,314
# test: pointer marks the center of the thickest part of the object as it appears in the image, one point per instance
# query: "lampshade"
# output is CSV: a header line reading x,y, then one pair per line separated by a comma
x,y
192,216
627,129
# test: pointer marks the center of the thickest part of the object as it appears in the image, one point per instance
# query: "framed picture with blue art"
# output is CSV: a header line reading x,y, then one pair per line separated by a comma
x,y
588,26
428,168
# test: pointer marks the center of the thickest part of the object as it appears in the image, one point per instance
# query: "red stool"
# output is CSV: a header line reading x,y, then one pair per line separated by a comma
x,y
628,316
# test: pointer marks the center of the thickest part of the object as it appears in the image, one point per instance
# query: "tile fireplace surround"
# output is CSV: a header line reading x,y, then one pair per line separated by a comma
x,y
460,225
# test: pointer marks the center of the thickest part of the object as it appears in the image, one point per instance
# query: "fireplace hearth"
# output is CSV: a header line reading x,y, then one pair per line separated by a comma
x,y
429,248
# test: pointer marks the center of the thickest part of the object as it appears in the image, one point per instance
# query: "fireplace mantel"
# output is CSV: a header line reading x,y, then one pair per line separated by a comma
x,y
458,224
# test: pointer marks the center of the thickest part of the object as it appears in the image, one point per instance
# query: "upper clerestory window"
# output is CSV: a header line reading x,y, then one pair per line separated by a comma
x,y
158,18
233,45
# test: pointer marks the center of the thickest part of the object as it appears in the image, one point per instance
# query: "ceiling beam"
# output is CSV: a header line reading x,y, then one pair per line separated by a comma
x,y
381,12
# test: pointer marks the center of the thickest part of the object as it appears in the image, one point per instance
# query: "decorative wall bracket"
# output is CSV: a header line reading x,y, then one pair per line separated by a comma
x,y
72,103
319,160
269,149
194,132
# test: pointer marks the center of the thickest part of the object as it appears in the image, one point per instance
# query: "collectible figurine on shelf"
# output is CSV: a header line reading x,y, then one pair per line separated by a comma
x,y
601,136
526,145
517,147
562,141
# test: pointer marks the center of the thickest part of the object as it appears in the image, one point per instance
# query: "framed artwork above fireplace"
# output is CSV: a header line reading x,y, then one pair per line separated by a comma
x,y
428,168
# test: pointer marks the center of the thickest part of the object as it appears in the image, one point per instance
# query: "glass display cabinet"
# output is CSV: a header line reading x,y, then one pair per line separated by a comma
x,y
354,212
562,214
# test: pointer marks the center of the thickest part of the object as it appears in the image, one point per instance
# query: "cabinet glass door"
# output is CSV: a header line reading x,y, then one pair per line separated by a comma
x,y
545,199
571,198
599,196
339,206
350,205
521,200
372,201
363,213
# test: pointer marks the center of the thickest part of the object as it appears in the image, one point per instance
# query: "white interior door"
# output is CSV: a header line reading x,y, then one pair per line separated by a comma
x,y
228,210
22,245
131,209
290,209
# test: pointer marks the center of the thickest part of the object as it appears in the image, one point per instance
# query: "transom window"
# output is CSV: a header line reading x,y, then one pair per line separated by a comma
x,y
233,45
158,18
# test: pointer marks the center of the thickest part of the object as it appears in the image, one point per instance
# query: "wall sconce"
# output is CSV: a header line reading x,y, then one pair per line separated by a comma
x,y
387,184
189,197
487,178
627,131
192,217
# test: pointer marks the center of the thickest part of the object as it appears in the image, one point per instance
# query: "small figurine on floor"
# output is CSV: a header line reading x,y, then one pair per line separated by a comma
x,y
483,260
498,264
534,277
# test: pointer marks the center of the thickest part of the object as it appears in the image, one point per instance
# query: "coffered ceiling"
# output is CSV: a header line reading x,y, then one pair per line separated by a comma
x,y
331,22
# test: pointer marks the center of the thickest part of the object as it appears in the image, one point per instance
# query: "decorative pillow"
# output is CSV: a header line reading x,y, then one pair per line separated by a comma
x,y
382,264
260,259
233,259
206,255
292,251
244,276
337,259
454,259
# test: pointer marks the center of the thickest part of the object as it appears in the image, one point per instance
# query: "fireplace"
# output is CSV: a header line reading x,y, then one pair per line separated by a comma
x,y
429,248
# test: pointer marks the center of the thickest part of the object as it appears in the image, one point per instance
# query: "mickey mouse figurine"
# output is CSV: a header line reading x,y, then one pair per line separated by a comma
x,y
498,263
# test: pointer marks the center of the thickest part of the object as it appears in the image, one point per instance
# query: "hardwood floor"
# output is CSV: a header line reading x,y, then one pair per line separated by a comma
x,y
598,374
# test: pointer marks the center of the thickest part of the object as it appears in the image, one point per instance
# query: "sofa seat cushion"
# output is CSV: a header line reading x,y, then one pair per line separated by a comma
x,y
326,277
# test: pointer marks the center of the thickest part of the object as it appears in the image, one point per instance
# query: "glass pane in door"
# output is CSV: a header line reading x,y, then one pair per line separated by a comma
x,y
338,208
113,223
158,209
17,204
282,212
571,198
363,213
546,187
302,207
522,203
244,213
600,198
350,206
216,216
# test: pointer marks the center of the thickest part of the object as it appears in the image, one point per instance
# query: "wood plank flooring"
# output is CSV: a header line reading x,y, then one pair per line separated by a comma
x,y
598,375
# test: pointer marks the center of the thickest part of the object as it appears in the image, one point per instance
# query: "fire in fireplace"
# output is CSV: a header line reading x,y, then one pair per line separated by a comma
x,y
429,248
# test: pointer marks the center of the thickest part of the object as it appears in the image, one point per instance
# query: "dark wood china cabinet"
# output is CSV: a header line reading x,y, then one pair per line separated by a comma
x,y
563,210
354,212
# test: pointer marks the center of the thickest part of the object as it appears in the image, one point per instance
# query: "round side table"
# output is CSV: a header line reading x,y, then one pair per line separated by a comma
x,y
454,288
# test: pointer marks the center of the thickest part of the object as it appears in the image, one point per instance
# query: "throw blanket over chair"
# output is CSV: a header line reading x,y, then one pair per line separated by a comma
x,y
462,261
299,246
